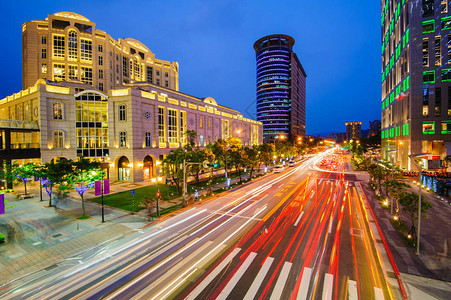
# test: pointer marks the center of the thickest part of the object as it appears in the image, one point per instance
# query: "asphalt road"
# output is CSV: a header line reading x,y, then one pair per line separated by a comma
x,y
299,234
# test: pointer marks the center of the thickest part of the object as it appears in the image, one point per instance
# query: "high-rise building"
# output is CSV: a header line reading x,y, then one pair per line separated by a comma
x,y
416,76
281,89
353,130
375,128
68,47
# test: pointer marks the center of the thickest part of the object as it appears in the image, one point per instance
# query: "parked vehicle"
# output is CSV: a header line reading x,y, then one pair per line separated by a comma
x,y
291,163
278,169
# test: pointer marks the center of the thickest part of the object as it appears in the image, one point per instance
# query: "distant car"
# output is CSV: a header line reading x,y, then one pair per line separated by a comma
x,y
278,169
291,163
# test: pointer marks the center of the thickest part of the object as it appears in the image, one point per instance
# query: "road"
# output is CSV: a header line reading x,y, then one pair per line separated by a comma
x,y
299,234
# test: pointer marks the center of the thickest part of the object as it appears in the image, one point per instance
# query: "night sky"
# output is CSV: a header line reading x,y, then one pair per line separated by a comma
x,y
337,42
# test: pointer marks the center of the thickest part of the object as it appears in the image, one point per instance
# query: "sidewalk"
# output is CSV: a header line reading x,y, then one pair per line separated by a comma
x,y
427,276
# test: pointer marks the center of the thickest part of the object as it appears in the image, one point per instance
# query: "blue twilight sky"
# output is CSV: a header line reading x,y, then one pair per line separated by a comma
x,y
338,43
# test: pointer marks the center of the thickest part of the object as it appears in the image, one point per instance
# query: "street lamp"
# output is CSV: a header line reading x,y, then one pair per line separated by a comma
x,y
420,168
392,176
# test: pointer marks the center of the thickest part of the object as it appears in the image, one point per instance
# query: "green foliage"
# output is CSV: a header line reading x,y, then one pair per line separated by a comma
x,y
172,166
2,238
409,204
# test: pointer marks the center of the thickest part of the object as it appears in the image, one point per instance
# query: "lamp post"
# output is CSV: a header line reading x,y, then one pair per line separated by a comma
x,y
420,168
392,176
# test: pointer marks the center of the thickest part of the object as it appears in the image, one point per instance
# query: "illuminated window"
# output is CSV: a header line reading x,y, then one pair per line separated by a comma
x,y
172,126
122,112
131,67
86,75
425,110
58,46
446,23
100,74
446,127
148,138
438,50
100,60
149,74
428,8
44,68
438,101
86,50
124,67
72,45
43,40
429,26
122,139
209,123
59,72
183,127
58,139
425,102
43,53
201,137
428,127
100,48
136,69
201,122
57,109
425,53
428,77
161,125
73,72
446,75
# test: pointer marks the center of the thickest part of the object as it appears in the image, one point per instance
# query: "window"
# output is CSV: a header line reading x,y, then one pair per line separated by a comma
x,y
100,48
157,73
86,75
117,69
446,75
449,49
209,123
425,102
43,53
429,26
131,67
201,137
59,72
86,50
446,127
428,77
100,74
444,7
166,83
124,67
57,111
425,53
172,126
428,8
73,72
72,45
183,127
201,122
166,74
58,46
149,74
438,51
122,139
161,126
158,81
428,127
101,86
122,112
438,101
446,23
58,139
148,139
100,60
43,40
136,68
44,68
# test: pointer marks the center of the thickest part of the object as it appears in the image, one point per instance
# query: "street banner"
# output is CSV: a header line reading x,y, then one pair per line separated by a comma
x,y
2,204
98,187
106,186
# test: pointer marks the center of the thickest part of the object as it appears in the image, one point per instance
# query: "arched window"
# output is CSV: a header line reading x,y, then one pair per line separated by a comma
x,y
57,111
58,139
201,140
122,112
72,45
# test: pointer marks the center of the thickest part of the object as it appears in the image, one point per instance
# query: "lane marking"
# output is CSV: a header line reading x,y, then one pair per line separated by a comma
x,y
305,282
378,293
328,286
313,194
212,275
352,290
265,218
330,224
229,287
299,218
280,284
259,279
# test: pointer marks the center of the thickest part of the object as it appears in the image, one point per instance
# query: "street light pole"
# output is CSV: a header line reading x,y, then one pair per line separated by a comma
x,y
392,176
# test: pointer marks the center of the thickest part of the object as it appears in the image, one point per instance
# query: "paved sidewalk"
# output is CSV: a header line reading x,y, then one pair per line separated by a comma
x,y
427,276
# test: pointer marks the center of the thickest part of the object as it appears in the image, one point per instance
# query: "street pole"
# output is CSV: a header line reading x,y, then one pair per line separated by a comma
x,y
101,189
158,203
392,177
419,218
184,181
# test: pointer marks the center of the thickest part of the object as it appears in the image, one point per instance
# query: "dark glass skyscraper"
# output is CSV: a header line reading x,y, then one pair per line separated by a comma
x,y
280,88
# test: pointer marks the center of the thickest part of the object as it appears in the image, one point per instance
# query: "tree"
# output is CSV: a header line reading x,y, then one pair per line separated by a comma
x,y
395,188
251,159
378,175
85,173
56,173
6,172
191,136
237,154
409,204
266,153
172,166
220,150
24,172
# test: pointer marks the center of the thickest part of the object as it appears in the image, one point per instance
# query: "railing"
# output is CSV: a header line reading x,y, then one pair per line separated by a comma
x,y
18,124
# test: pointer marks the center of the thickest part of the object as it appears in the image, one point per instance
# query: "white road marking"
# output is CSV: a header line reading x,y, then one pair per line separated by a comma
x,y
259,279
298,219
330,224
212,275
328,286
305,282
229,287
378,294
280,284
352,290
313,194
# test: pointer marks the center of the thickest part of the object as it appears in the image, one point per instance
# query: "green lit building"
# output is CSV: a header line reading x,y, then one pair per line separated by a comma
x,y
416,81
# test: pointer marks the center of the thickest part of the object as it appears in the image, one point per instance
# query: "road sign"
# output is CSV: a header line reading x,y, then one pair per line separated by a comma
x,y
133,192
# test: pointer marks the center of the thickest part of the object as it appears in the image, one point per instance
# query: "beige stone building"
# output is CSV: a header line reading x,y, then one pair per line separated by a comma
x,y
130,128
68,47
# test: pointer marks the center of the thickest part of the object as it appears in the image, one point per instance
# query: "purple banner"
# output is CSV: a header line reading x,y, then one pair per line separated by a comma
x,y
98,187
106,186
2,204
